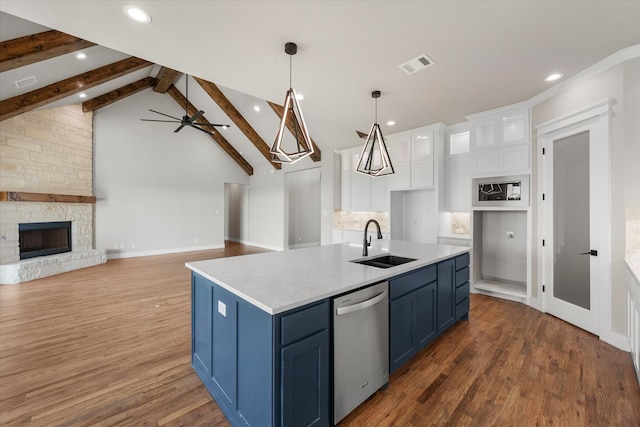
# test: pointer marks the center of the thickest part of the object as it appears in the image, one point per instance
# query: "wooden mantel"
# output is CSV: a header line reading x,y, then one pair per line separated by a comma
x,y
20,196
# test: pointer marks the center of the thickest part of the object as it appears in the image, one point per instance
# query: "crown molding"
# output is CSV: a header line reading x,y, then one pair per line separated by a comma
x,y
610,61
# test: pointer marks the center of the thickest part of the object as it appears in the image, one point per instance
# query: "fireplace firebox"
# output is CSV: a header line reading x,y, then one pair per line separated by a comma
x,y
44,238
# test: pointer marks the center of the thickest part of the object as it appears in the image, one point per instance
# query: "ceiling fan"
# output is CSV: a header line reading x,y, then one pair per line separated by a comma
x,y
186,120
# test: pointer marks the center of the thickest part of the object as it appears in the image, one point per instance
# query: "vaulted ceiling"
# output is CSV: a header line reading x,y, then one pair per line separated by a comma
x,y
487,54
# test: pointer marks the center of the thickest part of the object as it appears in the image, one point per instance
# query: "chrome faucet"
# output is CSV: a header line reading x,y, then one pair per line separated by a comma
x,y
366,243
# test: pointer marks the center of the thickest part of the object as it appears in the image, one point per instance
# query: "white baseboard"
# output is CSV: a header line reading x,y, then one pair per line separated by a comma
x,y
617,340
241,241
269,247
304,245
120,255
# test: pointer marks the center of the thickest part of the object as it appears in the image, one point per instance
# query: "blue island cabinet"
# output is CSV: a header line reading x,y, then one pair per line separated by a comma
x,y
423,304
262,369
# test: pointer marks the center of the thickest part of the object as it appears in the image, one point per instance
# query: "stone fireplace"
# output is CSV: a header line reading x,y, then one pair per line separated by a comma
x,y
46,167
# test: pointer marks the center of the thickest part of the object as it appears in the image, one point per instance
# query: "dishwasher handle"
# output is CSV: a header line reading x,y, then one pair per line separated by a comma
x,y
361,305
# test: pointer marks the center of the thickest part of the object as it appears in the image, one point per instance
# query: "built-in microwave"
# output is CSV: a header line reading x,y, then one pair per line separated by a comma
x,y
501,191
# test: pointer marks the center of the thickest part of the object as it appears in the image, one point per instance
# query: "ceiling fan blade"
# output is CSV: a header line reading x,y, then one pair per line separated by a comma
x,y
163,114
163,121
179,127
196,116
202,130
211,124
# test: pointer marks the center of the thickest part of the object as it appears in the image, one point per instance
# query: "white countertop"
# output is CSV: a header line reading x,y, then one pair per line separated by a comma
x,y
279,281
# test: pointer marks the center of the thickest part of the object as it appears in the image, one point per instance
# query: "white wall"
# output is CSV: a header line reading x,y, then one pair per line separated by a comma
x,y
304,207
157,191
269,209
504,258
619,83
414,216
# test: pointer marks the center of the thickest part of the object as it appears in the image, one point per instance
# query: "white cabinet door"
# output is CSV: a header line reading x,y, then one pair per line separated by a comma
x,y
422,159
401,179
380,194
514,158
486,161
399,149
400,154
360,186
422,145
422,173
459,183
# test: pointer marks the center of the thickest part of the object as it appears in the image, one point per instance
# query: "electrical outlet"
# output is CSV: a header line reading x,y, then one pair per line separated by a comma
x,y
222,308
510,234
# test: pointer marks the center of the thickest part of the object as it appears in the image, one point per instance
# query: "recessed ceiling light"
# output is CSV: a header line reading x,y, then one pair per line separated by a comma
x,y
81,55
299,96
256,108
391,123
137,14
553,77
82,95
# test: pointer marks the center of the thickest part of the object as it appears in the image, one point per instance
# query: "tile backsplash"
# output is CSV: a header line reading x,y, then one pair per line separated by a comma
x,y
460,223
633,233
354,220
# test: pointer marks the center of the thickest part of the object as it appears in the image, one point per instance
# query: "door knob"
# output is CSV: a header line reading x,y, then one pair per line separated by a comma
x,y
592,252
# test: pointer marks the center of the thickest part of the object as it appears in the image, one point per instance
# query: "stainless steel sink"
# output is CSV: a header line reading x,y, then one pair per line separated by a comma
x,y
384,261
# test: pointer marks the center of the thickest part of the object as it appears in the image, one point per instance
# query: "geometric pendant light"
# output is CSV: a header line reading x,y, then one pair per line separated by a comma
x,y
374,159
284,149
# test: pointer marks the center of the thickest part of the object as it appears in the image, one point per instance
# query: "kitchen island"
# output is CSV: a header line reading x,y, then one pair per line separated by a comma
x,y
262,330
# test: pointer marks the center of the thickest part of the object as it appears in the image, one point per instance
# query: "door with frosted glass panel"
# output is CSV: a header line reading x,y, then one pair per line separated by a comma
x,y
572,205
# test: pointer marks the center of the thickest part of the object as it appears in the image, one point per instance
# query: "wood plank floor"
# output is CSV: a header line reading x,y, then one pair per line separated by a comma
x,y
110,345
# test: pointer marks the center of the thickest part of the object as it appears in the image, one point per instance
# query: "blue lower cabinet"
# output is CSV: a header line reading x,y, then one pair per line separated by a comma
x,y
402,335
223,344
426,330
425,303
262,370
462,286
202,294
305,382
412,324
446,295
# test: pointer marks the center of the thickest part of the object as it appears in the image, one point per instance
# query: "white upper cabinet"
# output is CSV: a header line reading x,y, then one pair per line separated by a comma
x,y
458,168
413,155
360,192
500,142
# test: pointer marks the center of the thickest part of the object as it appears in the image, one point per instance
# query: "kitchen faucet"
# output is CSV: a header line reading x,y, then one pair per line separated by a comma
x,y
366,243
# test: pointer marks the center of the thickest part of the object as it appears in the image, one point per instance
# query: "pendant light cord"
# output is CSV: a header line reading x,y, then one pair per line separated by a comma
x,y
376,109
290,70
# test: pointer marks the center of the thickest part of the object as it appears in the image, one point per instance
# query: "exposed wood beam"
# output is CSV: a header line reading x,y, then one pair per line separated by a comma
x,y
38,47
20,196
165,78
232,112
117,94
37,98
279,110
217,136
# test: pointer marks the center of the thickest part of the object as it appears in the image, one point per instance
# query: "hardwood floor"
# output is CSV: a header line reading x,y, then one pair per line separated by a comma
x,y
110,345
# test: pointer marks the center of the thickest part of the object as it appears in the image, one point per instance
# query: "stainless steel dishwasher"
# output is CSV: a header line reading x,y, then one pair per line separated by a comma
x,y
360,347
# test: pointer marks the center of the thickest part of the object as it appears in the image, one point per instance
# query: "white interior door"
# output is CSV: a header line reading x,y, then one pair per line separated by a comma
x,y
575,224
